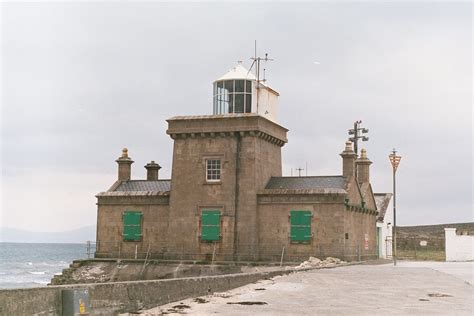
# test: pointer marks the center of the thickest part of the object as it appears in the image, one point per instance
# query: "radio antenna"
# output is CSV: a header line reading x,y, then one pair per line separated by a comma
x,y
256,62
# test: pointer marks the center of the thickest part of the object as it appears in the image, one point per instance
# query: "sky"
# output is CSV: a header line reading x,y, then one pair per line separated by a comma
x,y
82,80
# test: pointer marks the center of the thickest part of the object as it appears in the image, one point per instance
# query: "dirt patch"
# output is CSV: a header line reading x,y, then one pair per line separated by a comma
x,y
181,306
248,303
200,300
439,295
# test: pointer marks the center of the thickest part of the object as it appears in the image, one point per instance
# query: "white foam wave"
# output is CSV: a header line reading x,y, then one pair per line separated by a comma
x,y
38,272
41,282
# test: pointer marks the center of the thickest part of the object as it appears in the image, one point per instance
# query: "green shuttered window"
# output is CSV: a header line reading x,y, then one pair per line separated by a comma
x,y
300,222
132,225
210,225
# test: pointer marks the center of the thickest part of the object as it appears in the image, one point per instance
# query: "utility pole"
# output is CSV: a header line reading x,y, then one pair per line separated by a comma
x,y
357,131
299,171
395,161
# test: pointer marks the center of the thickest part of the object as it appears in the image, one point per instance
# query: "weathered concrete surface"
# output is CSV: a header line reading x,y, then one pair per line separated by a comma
x,y
461,270
112,298
351,290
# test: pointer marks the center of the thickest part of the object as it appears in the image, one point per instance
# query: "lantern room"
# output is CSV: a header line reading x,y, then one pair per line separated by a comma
x,y
239,91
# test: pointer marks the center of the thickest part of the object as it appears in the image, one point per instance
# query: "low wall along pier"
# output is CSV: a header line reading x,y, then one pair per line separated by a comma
x,y
120,297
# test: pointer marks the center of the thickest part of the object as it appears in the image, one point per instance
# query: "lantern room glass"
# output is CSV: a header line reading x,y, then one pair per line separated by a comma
x,y
232,96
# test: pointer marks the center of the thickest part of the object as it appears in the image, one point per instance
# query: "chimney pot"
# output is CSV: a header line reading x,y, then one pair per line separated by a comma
x,y
124,166
152,169
363,167
348,158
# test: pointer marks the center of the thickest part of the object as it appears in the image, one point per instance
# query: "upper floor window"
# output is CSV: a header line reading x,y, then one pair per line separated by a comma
x,y
232,96
213,170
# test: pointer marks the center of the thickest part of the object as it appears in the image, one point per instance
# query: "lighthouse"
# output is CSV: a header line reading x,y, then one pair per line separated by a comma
x,y
240,91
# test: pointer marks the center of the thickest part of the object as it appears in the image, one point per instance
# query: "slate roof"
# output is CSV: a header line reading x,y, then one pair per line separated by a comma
x,y
139,188
144,185
295,183
382,200
306,185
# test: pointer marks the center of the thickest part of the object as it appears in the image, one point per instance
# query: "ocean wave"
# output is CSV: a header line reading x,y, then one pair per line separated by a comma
x,y
37,272
41,282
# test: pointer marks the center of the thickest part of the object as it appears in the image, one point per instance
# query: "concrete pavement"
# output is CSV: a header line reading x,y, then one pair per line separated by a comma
x,y
460,270
408,289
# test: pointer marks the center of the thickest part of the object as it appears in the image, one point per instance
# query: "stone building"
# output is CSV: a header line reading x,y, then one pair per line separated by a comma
x,y
227,199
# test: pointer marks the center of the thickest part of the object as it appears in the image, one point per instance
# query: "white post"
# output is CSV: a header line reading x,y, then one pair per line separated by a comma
x,y
136,251
213,254
282,253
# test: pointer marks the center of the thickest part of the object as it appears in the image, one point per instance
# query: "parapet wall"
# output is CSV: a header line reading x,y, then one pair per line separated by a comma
x,y
121,297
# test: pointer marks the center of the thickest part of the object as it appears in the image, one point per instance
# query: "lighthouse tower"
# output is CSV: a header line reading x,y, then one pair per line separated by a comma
x,y
239,91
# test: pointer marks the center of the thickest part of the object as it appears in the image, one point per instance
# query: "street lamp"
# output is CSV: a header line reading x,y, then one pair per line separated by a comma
x,y
395,161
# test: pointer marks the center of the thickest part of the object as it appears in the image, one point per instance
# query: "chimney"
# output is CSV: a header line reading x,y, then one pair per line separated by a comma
x,y
363,166
348,158
152,169
124,166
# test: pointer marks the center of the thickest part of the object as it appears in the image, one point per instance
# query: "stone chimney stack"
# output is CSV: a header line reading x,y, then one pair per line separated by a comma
x,y
348,159
124,166
152,169
363,165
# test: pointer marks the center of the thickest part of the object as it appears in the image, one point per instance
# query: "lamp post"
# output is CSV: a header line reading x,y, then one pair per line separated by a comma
x,y
395,161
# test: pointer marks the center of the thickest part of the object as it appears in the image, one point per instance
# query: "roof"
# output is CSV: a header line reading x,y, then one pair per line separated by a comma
x,y
382,200
139,188
238,72
306,185
144,185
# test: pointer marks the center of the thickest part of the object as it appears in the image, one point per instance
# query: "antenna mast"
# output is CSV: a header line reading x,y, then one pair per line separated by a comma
x,y
256,61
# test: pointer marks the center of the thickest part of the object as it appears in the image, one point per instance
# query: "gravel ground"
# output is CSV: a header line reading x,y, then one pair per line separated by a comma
x,y
408,289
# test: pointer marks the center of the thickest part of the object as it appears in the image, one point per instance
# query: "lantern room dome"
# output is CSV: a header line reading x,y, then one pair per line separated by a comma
x,y
238,72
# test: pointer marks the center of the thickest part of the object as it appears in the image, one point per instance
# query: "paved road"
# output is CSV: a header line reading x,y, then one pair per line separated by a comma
x,y
408,289
461,270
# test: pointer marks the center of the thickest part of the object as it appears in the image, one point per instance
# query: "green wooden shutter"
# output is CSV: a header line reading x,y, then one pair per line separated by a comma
x,y
210,225
132,225
300,222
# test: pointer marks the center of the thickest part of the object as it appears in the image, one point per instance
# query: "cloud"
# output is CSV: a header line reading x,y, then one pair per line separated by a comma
x,y
82,80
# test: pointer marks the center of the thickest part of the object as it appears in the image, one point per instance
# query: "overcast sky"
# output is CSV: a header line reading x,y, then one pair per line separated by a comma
x,y
80,81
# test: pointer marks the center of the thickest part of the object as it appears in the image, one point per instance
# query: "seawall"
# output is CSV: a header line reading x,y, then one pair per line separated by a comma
x,y
120,297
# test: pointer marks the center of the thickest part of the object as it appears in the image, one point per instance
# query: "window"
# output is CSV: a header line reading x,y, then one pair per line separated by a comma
x,y
132,225
210,225
300,222
232,96
213,170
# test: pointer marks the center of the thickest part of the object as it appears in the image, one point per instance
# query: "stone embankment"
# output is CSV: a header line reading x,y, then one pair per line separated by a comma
x,y
108,270
111,298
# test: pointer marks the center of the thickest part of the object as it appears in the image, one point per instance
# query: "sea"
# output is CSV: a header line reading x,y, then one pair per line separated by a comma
x,y
34,265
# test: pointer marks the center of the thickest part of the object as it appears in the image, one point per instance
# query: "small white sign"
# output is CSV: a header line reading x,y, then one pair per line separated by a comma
x,y
423,243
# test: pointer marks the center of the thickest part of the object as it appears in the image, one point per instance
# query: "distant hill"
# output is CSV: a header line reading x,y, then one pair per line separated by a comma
x,y
409,239
80,235
436,231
